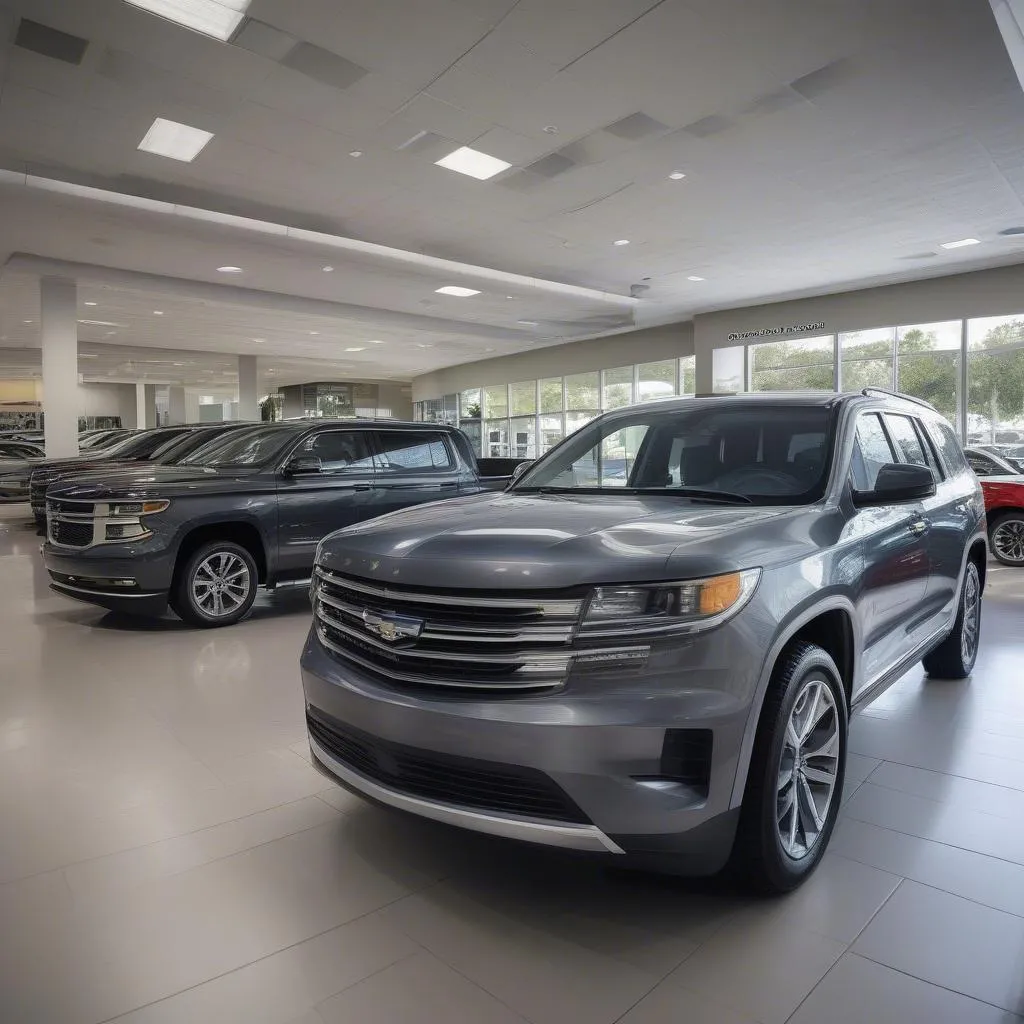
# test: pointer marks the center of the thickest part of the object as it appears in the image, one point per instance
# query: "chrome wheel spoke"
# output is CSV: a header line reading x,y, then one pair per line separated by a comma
x,y
810,818
221,583
820,775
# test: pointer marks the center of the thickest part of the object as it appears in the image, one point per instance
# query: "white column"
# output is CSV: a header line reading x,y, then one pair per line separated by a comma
x,y
58,300
140,406
176,405
248,389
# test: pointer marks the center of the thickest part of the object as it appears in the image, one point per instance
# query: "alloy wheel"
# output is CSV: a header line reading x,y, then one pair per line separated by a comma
x,y
1008,540
972,617
221,584
808,768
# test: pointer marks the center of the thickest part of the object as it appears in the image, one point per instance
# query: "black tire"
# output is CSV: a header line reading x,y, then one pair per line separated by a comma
x,y
187,594
954,658
760,861
1006,538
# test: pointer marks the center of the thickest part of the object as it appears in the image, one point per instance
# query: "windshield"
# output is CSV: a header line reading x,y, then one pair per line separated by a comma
x,y
730,452
250,448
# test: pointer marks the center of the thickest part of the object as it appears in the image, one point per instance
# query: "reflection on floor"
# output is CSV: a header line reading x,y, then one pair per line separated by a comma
x,y
168,855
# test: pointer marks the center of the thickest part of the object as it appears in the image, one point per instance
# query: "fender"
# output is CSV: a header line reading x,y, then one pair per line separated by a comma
x,y
834,602
229,518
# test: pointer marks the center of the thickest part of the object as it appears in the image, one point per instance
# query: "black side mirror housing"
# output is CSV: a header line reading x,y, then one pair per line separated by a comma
x,y
518,472
896,483
303,465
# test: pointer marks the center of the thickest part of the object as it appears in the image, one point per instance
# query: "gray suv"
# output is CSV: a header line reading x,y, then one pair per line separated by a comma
x,y
650,645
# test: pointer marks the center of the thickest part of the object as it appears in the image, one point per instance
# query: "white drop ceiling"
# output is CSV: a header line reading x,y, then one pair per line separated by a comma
x,y
826,144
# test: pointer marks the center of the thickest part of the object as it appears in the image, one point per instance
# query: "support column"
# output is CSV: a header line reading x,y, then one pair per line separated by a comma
x,y
145,406
248,389
58,300
176,405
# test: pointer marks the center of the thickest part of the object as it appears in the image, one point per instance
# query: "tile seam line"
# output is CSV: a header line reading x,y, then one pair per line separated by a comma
x,y
936,771
928,839
943,803
929,885
849,946
267,956
180,835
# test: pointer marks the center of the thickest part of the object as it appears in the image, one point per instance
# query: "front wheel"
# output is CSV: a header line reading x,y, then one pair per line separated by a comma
x,y
216,586
954,658
795,781
1006,538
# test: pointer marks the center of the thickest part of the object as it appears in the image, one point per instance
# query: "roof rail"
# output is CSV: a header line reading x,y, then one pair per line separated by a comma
x,y
898,394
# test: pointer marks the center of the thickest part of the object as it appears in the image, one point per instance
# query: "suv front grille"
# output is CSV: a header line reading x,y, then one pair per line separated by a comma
x,y
71,534
445,778
38,482
462,640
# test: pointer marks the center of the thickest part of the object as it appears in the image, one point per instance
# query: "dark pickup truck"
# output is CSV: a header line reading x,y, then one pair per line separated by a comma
x,y
204,534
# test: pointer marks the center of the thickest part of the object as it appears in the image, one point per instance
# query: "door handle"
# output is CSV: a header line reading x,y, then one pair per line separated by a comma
x,y
362,487
448,485
919,527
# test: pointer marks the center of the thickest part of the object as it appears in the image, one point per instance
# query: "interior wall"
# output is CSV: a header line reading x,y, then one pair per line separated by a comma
x,y
647,345
994,292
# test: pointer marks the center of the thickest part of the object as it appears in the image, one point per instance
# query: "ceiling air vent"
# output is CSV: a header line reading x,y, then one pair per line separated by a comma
x,y
50,42
636,126
323,66
708,126
551,166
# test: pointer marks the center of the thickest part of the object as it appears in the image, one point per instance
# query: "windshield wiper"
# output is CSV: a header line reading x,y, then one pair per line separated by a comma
x,y
702,494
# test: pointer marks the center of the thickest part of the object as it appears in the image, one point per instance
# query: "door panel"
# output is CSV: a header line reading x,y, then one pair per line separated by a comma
x,y
413,467
312,505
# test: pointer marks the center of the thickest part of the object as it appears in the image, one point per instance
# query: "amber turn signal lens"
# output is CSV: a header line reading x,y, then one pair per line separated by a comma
x,y
154,506
720,594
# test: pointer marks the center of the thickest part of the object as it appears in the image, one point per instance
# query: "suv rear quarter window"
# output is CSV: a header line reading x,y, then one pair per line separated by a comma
x,y
412,452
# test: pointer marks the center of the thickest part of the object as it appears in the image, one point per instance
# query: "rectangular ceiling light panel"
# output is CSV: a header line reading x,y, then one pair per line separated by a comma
x,y
216,18
474,163
174,141
458,290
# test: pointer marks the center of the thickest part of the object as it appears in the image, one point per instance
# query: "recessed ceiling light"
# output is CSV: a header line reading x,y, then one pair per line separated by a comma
x,y
694,277
174,141
229,270
217,18
314,333
90,303
356,153
677,176
960,243
551,129
474,163
158,312
621,241
527,323
374,341
28,321
454,289
355,350
327,270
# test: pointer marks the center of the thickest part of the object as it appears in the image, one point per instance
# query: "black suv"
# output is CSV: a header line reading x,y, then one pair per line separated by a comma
x,y
650,645
248,511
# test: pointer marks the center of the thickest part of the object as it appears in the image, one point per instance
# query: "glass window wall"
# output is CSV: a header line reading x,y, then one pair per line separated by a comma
x,y
806,364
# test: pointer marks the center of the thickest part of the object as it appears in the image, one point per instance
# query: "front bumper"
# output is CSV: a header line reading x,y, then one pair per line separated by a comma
x,y
90,577
604,749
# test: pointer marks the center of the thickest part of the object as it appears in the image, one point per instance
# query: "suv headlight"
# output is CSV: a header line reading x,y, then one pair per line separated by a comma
x,y
123,509
685,607
125,519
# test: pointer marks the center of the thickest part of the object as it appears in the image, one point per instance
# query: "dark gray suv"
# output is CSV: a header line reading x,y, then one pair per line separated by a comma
x,y
651,644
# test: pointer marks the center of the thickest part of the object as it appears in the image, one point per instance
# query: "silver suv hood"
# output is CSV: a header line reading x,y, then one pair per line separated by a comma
x,y
539,541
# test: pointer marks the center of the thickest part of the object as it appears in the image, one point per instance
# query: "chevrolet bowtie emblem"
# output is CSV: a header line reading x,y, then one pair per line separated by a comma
x,y
392,627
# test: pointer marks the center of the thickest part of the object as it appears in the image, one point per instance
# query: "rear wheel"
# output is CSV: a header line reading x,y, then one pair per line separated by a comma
x,y
1006,538
954,658
795,781
216,586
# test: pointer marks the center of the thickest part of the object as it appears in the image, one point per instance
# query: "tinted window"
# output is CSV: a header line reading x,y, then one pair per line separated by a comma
x,y
908,444
142,446
251,448
774,454
412,452
949,447
340,451
871,451
984,466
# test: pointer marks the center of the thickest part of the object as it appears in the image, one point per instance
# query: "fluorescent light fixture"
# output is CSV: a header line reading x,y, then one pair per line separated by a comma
x,y
527,323
355,350
677,176
217,18
229,270
158,312
960,243
454,289
694,277
98,323
621,241
474,163
90,303
174,141
374,341
259,341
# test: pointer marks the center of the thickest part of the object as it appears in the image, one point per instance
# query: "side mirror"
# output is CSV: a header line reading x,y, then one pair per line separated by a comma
x,y
518,472
303,465
897,483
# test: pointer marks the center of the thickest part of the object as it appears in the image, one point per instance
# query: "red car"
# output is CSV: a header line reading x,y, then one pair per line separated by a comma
x,y
1003,485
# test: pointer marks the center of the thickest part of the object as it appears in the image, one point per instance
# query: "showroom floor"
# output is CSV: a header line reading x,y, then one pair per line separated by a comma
x,y
168,855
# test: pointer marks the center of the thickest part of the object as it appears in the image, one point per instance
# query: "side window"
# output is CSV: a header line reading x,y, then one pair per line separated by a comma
x,y
949,447
341,451
413,452
984,466
909,444
871,451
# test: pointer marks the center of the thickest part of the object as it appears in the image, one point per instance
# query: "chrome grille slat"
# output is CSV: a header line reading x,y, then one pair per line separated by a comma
x,y
465,641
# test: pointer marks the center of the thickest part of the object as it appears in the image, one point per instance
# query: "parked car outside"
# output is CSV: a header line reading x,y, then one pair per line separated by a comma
x,y
1003,485
659,666
203,535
